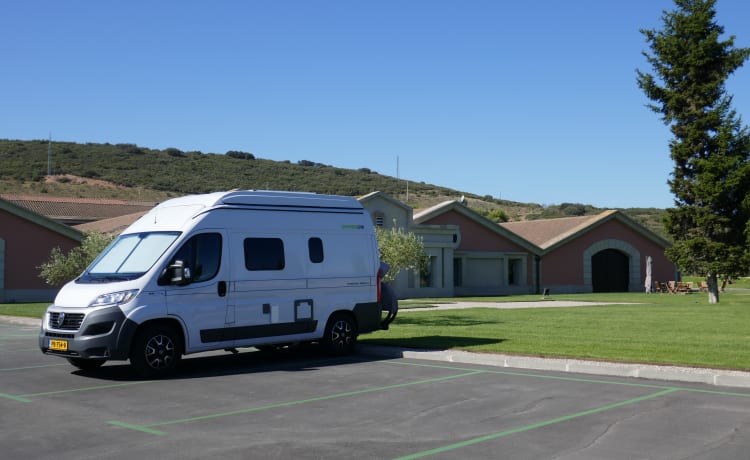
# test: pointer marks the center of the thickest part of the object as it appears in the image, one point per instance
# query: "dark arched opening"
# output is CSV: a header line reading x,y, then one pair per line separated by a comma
x,y
610,271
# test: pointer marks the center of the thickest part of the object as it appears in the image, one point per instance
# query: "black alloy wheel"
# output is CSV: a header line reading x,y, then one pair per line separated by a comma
x,y
340,334
156,351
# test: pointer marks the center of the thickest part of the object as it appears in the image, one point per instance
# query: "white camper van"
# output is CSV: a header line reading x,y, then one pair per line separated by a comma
x,y
220,271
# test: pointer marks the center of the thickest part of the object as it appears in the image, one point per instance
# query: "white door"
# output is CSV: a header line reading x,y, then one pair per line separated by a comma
x,y
202,302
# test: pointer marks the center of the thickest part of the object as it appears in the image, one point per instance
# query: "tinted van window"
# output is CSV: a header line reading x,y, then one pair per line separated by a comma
x,y
264,254
315,248
202,254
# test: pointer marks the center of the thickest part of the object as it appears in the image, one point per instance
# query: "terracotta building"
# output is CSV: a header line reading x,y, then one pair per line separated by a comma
x,y
26,239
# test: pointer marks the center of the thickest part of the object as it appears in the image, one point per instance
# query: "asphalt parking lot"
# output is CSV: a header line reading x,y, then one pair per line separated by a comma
x,y
304,405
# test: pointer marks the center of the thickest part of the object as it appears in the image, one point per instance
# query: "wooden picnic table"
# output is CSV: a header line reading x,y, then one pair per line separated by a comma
x,y
674,287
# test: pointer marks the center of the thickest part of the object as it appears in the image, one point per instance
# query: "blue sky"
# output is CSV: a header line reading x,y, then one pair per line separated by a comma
x,y
532,101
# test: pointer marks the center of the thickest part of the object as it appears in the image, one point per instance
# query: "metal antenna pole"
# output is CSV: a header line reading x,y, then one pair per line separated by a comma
x,y
49,155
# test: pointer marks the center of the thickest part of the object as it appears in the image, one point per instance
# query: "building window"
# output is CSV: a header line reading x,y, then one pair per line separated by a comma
x,y
427,278
514,272
458,272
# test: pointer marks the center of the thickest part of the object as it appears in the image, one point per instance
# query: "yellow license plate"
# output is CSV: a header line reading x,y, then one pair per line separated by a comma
x,y
58,345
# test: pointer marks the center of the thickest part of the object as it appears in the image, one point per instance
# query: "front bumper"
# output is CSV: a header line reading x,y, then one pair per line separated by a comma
x,y
103,333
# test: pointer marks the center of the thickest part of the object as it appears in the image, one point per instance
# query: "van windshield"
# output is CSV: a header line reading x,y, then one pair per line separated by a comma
x,y
128,257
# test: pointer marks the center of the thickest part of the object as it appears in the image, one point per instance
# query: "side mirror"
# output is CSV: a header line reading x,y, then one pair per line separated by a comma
x,y
178,274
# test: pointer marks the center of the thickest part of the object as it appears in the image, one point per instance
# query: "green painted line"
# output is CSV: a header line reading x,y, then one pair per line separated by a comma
x,y
534,426
541,376
138,428
146,428
6,369
14,398
577,379
98,387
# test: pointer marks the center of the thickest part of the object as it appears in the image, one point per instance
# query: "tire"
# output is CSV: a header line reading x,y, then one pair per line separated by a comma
x,y
156,351
87,364
340,335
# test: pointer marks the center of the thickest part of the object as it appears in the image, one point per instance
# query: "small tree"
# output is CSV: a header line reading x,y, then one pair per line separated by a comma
x,y
401,250
710,147
61,268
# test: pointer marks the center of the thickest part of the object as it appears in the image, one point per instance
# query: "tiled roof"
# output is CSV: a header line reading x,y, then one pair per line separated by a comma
x,y
546,232
77,210
386,197
40,220
549,233
114,225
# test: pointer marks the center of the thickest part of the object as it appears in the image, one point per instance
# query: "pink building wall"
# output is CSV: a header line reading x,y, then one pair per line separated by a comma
x,y
474,236
565,265
27,246
478,238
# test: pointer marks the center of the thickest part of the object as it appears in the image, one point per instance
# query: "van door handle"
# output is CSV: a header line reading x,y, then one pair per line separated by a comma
x,y
222,288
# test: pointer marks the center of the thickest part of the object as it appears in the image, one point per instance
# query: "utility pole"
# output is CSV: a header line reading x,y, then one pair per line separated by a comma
x,y
49,155
398,177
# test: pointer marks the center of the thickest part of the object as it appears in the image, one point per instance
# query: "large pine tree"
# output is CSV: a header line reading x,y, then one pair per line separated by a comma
x,y
711,178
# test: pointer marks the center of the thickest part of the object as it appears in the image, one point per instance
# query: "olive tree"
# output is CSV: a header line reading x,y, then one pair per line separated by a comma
x,y
401,250
61,268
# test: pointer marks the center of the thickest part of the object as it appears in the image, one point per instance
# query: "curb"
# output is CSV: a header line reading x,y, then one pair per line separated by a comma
x,y
717,377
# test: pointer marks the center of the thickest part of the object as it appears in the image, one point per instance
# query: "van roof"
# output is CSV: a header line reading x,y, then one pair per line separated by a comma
x,y
173,213
266,198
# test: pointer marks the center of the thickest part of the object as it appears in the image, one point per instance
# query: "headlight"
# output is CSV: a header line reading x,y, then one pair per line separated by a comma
x,y
114,298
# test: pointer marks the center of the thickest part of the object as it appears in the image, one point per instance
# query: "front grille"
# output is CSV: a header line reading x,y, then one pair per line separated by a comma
x,y
57,335
65,321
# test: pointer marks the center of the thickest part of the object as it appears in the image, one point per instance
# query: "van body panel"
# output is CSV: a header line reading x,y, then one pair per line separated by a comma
x,y
77,295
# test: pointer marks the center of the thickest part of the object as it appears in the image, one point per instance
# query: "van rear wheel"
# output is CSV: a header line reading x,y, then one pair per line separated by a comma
x,y
340,335
156,351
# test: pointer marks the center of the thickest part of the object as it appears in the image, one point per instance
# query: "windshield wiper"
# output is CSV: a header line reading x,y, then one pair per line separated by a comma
x,y
89,278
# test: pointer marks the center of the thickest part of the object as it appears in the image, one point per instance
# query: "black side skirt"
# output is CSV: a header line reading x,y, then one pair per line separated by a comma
x,y
256,332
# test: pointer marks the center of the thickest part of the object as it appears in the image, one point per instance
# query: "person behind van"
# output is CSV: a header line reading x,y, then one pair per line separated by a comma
x,y
388,300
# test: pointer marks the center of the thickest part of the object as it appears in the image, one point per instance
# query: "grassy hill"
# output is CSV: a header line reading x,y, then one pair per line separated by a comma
x,y
131,172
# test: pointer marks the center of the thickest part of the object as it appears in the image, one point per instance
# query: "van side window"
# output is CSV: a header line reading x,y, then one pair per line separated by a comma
x,y
202,253
264,254
315,248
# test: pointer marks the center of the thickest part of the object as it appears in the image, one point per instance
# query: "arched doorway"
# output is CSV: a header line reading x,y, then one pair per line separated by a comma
x,y
610,271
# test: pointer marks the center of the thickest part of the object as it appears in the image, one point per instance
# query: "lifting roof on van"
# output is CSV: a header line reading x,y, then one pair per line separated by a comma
x,y
264,197
173,213
296,199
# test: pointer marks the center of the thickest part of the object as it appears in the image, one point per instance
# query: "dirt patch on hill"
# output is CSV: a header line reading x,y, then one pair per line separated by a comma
x,y
78,180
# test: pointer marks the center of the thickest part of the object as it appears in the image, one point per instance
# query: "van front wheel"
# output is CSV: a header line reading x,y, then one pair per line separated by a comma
x,y
340,335
156,351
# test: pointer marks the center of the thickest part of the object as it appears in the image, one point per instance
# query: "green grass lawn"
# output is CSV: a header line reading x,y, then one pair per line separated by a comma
x,y
29,310
659,328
